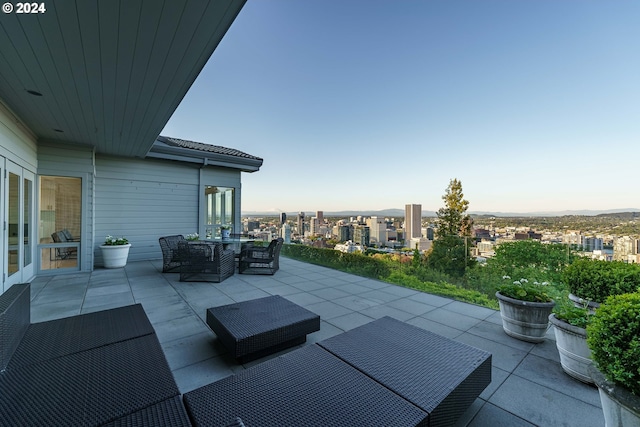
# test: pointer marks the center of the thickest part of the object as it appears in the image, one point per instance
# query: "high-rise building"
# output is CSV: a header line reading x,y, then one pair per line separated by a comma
x,y
590,244
361,235
377,228
283,218
301,224
320,216
343,233
412,222
286,233
314,226
624,246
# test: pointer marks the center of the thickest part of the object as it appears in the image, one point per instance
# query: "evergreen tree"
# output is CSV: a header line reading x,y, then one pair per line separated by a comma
x,y
450,251
452,218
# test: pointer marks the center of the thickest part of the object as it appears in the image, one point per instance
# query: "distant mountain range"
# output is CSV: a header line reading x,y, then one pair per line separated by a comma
x,y
391,213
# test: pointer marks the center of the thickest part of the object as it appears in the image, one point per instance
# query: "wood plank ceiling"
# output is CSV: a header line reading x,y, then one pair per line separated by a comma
x,y
110,73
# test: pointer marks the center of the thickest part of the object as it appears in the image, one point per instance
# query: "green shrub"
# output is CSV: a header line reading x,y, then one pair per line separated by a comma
x,y
351,263
442,288
386,270
613,335
595,280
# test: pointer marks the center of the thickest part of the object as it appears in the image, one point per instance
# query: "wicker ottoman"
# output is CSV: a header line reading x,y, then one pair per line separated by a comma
x,y
259,327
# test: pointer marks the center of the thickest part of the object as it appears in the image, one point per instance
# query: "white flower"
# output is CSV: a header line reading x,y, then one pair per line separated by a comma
x,y
506,277
524,281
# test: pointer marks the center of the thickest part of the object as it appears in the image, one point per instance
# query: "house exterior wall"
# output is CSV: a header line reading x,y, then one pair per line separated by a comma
x,y
17,143
143,200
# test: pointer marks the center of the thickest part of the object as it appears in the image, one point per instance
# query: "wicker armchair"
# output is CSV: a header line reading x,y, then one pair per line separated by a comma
x,y
170,256
205,262
258,260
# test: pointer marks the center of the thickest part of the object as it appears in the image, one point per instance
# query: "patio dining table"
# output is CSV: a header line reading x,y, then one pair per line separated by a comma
x,y
235,242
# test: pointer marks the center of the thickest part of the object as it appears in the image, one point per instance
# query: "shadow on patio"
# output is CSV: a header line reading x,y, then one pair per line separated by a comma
x,y
528,387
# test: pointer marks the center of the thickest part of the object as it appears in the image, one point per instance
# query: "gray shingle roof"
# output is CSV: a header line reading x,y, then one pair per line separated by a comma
x,y
177,142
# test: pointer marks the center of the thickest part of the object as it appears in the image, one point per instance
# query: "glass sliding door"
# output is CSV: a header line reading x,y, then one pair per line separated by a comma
x,y
13,222
28,220
17,212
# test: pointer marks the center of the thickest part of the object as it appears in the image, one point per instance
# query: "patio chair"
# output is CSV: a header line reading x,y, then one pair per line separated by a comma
x,y
258,260
205,262
63,253
170,257
67,234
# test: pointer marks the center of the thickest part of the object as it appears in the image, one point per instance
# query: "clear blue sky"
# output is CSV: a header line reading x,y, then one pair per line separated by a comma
x,y
364,104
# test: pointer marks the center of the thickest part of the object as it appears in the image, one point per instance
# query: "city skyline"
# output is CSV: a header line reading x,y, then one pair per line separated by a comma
x,y
369,105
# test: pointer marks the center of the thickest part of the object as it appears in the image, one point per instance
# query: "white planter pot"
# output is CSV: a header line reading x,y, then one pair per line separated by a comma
x,y
575,355
115,256
580,303
619,406
524,320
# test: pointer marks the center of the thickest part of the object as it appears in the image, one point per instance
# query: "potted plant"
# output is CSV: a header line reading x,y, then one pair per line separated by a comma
x,y
525,308
570,324
115,251
192,237
613,335
592,281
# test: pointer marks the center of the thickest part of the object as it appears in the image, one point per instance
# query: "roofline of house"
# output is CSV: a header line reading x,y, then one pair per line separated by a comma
x,y
159,150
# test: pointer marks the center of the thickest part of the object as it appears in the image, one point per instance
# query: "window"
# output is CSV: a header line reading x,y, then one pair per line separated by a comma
x,y
60,221
219,209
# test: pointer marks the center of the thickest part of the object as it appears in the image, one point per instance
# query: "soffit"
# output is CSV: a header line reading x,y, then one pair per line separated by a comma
x,y
111,73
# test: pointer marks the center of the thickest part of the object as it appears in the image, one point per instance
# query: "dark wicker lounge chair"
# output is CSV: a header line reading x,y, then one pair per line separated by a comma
x,y
170,258
384,373
259,260
95,369
205,262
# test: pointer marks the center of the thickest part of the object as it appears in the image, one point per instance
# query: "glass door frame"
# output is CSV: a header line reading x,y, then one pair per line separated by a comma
x,y
23,272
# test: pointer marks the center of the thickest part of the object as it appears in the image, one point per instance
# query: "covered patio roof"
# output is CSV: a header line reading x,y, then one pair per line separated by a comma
x,y
107,74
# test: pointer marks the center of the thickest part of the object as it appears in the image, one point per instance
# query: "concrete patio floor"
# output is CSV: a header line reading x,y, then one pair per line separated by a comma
x,y
528,385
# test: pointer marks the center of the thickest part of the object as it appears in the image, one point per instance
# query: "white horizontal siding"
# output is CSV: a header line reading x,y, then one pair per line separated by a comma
x,y
17,143
64,159
143,200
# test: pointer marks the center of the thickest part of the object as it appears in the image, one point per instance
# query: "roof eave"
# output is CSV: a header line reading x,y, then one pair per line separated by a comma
x,y
163,151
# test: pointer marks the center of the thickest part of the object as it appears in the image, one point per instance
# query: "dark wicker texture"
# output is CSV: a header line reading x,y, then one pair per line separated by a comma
x,y
15,317
88,388
307,387
170,257
441,376
205,262
169,413
258,260
256,328
61,337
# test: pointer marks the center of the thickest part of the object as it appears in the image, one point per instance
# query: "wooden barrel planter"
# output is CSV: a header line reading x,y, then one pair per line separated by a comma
x,y
524,320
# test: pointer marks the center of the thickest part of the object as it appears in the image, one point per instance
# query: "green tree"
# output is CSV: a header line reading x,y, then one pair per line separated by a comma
x,y
452,218
451,249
